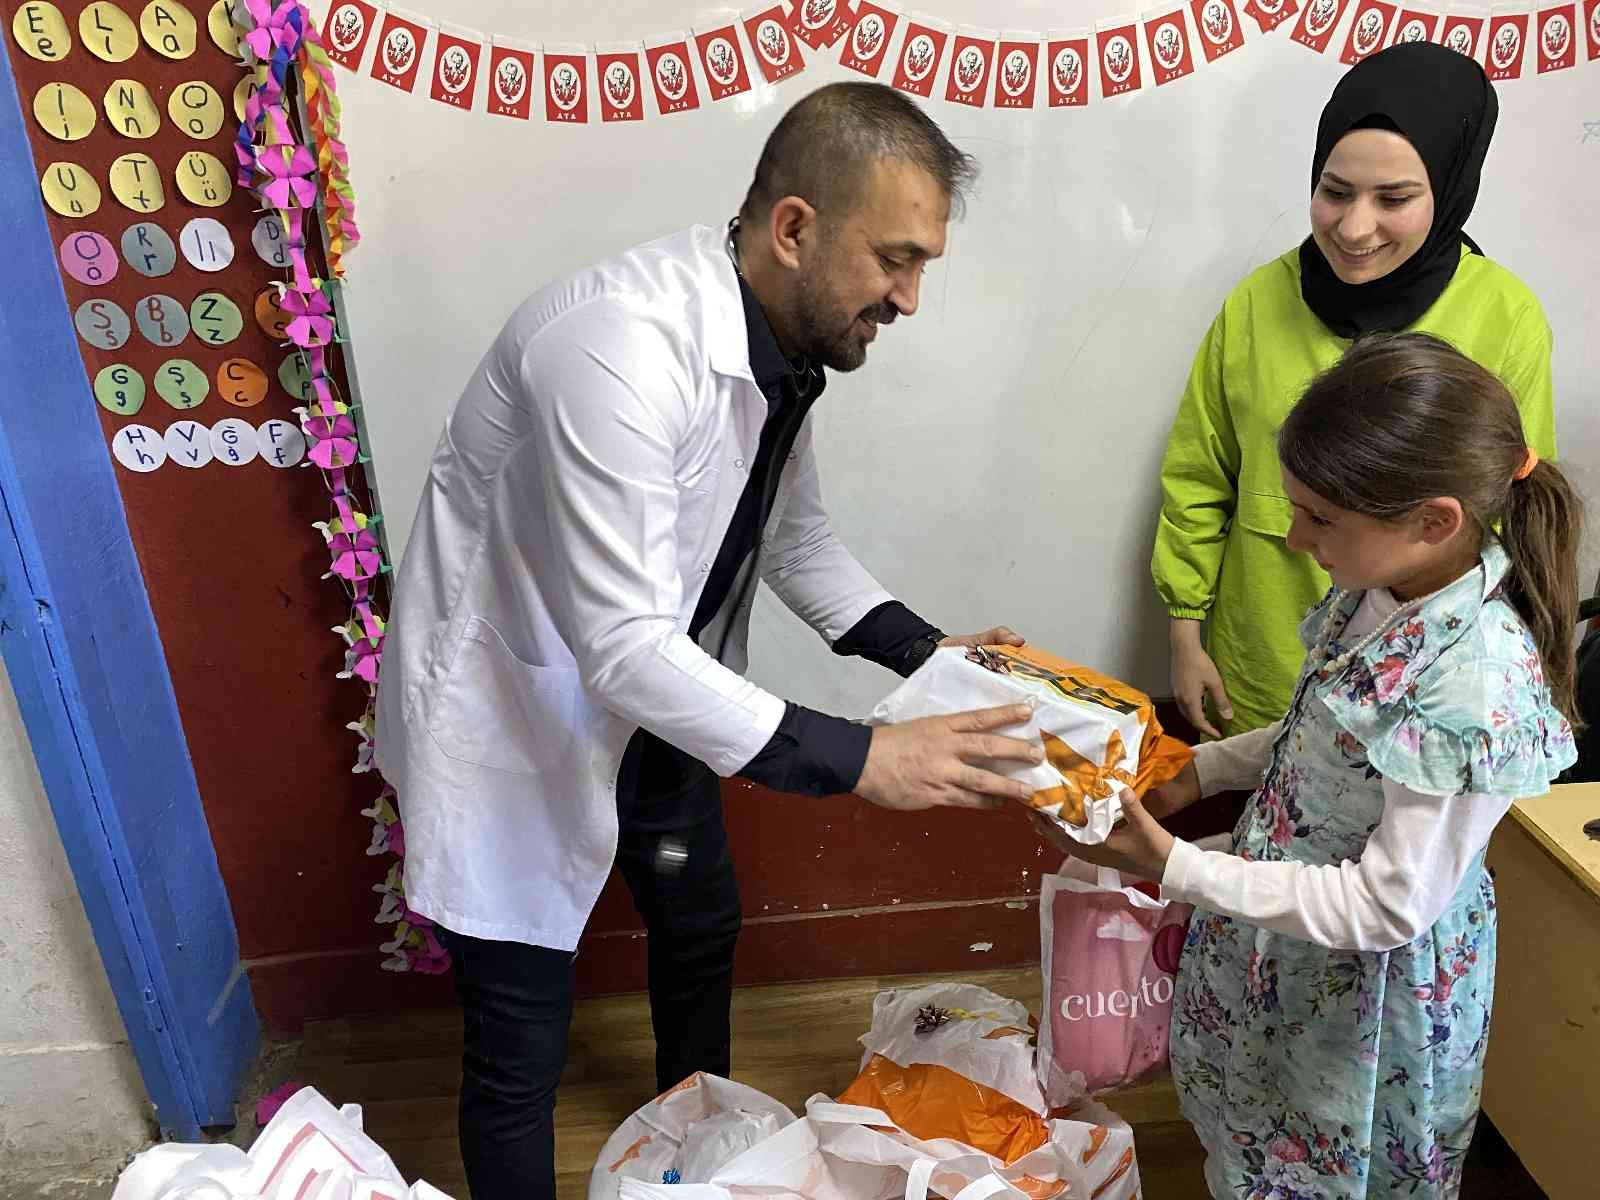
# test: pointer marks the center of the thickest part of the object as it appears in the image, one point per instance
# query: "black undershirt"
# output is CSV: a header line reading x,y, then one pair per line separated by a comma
x,y
811,753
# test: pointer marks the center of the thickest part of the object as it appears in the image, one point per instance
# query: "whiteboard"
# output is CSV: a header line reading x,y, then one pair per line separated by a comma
x,y
996,460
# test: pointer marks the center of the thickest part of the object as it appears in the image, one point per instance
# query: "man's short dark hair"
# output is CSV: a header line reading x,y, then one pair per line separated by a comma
x,y
824,147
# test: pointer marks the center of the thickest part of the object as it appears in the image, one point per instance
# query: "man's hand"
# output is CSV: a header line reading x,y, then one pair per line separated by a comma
x,y
1137,846
935,762
1000,635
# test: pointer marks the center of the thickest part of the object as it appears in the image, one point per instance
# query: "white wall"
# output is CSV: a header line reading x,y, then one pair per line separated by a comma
x,y
997,457
72,1106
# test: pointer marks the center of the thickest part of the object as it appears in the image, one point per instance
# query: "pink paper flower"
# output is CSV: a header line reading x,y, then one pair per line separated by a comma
x,y
289,170
311,316
271,27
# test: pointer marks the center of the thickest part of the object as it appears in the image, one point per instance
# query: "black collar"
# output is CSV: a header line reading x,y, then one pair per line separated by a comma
x,y
767,361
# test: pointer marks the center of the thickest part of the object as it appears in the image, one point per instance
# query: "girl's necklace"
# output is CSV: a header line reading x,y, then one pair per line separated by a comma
x,y
1325,641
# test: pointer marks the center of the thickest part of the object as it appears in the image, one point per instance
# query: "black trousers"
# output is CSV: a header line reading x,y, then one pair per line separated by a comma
x,y
516,999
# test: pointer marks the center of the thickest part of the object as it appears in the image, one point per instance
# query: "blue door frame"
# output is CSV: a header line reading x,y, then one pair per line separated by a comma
x,y
86,662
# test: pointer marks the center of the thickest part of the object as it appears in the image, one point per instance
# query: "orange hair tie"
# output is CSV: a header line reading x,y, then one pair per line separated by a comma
x,y
1528,464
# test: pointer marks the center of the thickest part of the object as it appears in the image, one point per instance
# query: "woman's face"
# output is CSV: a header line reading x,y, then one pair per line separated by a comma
x,y
1373,207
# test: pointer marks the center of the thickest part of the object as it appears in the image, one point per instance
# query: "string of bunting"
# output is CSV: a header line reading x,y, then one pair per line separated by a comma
x,y
715,62
304,178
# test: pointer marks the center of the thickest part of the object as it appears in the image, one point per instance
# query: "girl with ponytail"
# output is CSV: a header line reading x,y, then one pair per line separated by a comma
x,y
1333,999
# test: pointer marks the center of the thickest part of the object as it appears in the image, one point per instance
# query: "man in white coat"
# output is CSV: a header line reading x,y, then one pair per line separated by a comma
x,y
563,683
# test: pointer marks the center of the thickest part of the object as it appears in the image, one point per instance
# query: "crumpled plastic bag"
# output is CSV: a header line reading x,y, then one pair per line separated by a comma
x,y
712,1143
310,1150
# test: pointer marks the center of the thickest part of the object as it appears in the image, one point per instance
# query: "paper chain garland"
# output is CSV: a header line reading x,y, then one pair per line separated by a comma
x,y
281,47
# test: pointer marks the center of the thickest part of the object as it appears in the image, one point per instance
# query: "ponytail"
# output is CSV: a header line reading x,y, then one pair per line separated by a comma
x,y
1542,530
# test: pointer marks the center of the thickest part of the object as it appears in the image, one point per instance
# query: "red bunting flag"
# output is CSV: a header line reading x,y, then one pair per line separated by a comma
x,y
1218,24
1558,39
919,57
970,63
1508,37
1317,22
1016,72
616,69
346,31
667,57
1591,25
1369,31
1117,48
820,23
510,79
722,61
1462,34
566,85
869,38
777,49
1269,14
400,45
455,67
1166,36
1416,25
1067,68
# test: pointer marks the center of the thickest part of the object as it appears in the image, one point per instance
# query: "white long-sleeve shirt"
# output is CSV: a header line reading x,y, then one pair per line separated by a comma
x,y
1411,867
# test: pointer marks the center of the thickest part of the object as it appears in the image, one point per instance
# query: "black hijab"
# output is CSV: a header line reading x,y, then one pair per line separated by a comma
x,y
1443,104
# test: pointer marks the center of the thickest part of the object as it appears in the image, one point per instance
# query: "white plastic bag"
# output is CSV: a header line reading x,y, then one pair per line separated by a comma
x,y
1089,1155
310,1150
681,1130
710,1144
1100,735
974,1032
790,1165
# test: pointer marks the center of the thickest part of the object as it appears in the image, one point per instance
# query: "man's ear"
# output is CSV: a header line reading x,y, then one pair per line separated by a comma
x,y
790,225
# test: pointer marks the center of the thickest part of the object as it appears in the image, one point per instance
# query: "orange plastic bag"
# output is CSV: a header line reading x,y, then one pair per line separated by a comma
x,y
931,1102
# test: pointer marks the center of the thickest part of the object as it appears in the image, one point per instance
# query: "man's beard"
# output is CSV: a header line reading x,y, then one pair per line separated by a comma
x,y
829,337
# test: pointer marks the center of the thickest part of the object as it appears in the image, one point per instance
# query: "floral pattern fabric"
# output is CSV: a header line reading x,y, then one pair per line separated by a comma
x,y
1318,1074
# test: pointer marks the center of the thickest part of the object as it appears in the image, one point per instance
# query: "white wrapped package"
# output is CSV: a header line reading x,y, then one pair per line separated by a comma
x,y
713,1143
1100,736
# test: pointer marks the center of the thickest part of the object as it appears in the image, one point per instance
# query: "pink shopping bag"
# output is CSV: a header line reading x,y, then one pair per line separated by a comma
x,y
1110,956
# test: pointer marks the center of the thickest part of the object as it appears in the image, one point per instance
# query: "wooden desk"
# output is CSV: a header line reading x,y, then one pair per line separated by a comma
x,y
1542,1081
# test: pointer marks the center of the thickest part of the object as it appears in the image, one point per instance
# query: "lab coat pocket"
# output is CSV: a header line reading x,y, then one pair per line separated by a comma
x,y
497,711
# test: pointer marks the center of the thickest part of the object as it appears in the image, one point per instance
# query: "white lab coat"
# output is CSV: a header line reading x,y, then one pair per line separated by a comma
x,y
572,510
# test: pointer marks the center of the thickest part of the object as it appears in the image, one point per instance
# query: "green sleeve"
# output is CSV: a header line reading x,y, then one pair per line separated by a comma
x,y
1527,373
1199,486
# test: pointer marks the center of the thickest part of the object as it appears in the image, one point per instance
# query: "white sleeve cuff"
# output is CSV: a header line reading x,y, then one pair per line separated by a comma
x,y
1183,861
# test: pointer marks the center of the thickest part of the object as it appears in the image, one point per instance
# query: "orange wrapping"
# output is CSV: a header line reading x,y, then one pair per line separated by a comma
x,y
930,1101
1161,756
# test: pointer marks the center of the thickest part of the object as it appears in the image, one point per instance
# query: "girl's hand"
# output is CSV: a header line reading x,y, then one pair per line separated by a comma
x,y
1137,846
1175,795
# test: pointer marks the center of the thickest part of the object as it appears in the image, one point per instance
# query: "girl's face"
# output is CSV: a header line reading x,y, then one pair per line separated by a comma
x,y
1414,556
1373,207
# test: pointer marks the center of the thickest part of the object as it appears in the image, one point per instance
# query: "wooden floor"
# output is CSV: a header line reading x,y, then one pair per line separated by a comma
x,y
790,1041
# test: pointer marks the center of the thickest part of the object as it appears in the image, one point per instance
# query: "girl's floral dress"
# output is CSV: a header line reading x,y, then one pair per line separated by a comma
x,y
1317,1074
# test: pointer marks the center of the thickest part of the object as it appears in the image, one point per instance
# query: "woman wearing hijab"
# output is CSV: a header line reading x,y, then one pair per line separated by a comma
x,y
1400,148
